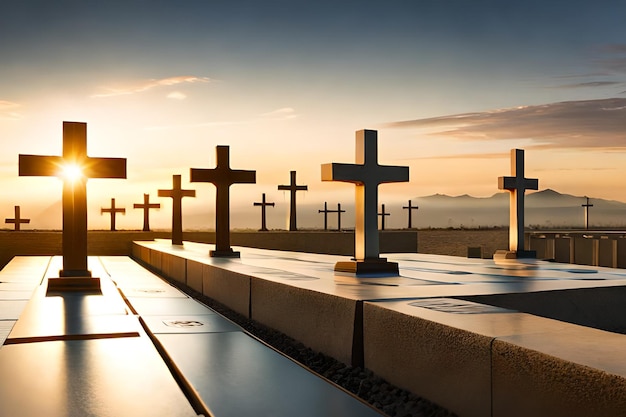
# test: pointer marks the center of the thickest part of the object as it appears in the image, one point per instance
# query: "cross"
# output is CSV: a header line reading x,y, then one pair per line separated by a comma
x,y
517,185
339,211
382,214
223,177
113,211
74,167
586,206
263,204
146,206
410,208
366,174
177,194
325,211
17,220
293,188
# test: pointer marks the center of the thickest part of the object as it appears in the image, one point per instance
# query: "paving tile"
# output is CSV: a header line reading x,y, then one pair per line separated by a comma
x,y
145,306
105,377
11,309
210,323
236,375
5,329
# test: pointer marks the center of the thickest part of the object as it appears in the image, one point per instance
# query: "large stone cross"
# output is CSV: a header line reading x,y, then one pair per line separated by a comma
x,y
517,184
17,221
410,208
263,204
74,167
366,174
146,206
293,188
177,194
222,176
113,211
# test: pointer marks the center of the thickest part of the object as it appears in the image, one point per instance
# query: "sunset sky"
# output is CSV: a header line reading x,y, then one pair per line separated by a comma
x,y
451,87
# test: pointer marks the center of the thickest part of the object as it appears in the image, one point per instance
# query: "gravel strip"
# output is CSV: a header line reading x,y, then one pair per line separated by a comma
x,y
391,400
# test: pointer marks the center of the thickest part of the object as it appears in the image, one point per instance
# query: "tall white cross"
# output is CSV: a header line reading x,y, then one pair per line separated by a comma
x,y
366,174
517,185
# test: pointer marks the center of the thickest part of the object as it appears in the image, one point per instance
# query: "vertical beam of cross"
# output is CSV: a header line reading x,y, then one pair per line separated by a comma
x,y
339,211
383,214
517,184
366,174
293,188
17,220
586,206
74,190
177,194
263,204
113,212
146,206
410,208
222,176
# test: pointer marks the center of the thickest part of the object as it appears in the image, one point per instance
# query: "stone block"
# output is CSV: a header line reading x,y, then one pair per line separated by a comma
x,y
227,287
174,267
194,275
607,253
585,251
475,252
563,249
324,322
156,257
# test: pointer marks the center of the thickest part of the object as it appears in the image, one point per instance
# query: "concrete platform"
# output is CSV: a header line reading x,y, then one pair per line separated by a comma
x,y
425,331
142,348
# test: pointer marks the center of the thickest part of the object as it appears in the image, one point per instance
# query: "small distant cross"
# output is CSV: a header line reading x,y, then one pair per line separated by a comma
x,y
113,211
410,208
263,204
382,214
177,194
586,206
339,211
517,184
146,206
366,174
17,220
293,188
325,211
222,176
74,191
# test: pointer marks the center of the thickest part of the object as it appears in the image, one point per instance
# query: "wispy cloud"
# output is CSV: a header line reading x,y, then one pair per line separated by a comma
x,y
494,155
284,113
177,95
590,84
145,85
570,124
7,110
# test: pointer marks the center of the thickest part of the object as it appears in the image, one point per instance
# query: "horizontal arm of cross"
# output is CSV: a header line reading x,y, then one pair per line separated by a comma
x,y
39,166
51,166
510,183
343,172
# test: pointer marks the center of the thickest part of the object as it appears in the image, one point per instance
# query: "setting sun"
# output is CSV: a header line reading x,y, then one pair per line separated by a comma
x,y
72,172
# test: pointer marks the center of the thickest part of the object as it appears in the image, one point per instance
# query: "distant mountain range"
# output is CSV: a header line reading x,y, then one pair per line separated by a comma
x,y
546,208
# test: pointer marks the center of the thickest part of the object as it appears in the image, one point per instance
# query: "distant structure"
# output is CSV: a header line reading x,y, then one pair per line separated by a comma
x,y
339,211
177,194
146,206
263,204
366,174
383,214
327,210
17,220
293,188
113,212
222,176
75,167
586,206
410,208
517,184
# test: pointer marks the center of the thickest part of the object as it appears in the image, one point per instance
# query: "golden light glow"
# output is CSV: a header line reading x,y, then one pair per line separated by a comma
x,y
72,172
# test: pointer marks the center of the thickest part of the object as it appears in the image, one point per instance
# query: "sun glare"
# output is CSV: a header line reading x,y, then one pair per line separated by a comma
x,y
72,172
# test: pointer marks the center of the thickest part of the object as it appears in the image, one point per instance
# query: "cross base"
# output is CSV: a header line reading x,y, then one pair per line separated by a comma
x,y
78,284
511,254
368,266
224,254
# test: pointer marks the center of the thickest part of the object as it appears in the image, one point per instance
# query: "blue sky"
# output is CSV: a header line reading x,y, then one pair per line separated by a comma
x,y
451,86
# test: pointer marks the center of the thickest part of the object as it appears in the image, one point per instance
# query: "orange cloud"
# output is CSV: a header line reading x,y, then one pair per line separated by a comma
x,y
145,85
7,110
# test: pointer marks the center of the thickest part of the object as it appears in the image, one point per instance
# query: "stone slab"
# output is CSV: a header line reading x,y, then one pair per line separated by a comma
x,y
155,306
104,377
12,309
234,379
229,288
207,323
5,329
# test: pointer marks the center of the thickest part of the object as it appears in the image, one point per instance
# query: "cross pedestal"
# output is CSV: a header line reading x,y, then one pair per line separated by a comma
x,y
263,204
366,174
113,211
410,208
17,220
517,184
222,176
292,188
177,194
383,214
74,167
146,206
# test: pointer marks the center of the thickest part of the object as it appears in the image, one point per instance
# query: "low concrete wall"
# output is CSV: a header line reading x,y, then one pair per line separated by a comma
x,y
107,243
595,248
